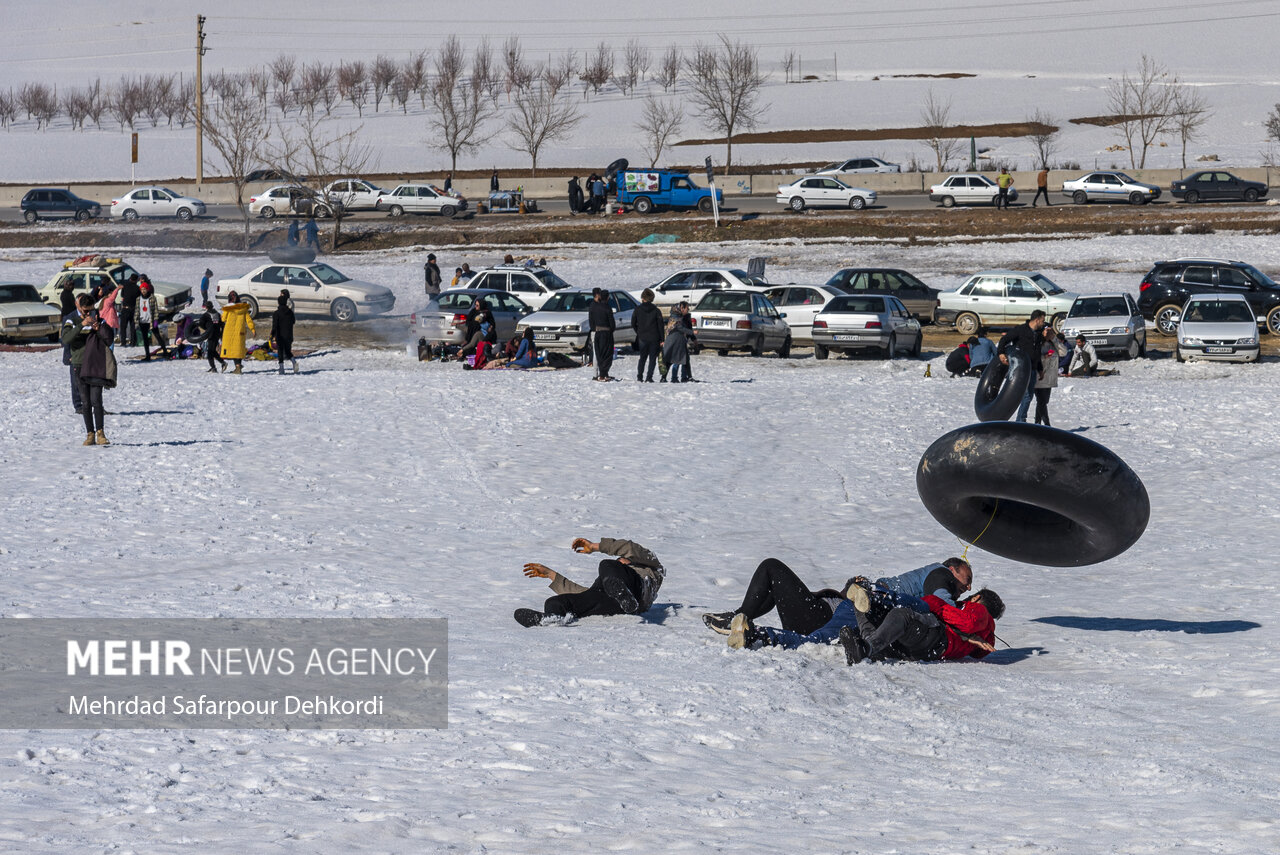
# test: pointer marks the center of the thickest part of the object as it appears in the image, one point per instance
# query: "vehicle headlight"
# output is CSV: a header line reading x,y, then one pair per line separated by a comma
x,y
1119,330
1192,340
1070,332
53,319
10,322
1251,340
571,328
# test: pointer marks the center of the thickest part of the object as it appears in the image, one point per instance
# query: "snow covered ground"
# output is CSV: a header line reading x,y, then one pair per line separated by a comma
x,y
1133,710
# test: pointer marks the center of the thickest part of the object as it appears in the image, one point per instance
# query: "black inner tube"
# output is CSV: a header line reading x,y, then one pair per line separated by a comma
x,y
1001,388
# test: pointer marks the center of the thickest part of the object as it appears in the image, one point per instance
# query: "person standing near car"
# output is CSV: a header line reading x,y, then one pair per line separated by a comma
x,y
129,293
292,234
600,317
312,232
646,320
1042,187
148,321
72,317
67,297
211,323
236,324
282,331
675,348
431,273
575,196
1025,339
1003,181
204,286
1047,381
88,339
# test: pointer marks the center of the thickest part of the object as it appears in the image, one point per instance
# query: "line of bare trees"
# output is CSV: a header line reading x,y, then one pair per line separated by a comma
x,y
131,102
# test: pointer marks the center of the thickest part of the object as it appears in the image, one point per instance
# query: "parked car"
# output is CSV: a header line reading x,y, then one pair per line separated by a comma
x,y
24,316
727,320
799,304
969,188
1109,322
692,284
353,194
100,272
1002,298
47,203
286,200
268,175
856,322
316,289
858,164
1168,285
1109,187
920,299
420,199
562,324
443,320
1216,186
647,190
1219,327
156,202
533,285
823,192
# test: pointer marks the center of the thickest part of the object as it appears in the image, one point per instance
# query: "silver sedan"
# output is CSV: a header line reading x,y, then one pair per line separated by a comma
x,y
854,323
444,319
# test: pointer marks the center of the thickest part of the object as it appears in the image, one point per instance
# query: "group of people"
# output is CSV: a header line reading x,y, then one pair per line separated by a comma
x,y
593,199
1004,181
309,229
920,615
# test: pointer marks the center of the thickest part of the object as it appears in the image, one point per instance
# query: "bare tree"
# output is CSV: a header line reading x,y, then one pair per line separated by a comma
x,y
414,75
517,73
282,70
401,90
125,103
40,102
789,65
1189,111
158,92
317,155
236,127
353,85
382,74
557,75
1272,124
97,104
8,107
635,63
726,83
539,118
484,71
75,103
669,67
1044,136
659,122
258,82
284,98
1143,107
935,116
460,107
598,67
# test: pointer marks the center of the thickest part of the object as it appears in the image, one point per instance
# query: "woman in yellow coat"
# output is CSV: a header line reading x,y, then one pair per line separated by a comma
x,y
235,322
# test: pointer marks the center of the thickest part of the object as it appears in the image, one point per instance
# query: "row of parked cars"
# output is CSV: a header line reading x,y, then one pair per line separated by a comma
x,y
973,188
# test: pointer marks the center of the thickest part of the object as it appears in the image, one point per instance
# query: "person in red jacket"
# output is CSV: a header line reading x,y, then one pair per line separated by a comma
x,y
945,632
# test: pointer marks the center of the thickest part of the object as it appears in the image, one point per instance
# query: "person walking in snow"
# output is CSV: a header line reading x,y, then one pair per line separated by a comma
x,y
575,196
1042,188
624,585
600,316
312,232
236,324
282,331
88,340
647,322
1047,381
211,323
292,234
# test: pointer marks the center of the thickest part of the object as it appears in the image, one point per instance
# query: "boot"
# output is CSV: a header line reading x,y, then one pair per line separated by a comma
x,y
295,366
719,621
859,597
89,440
621,594
224,368
855,648
743,633
282,368
238,370
528,617
102,439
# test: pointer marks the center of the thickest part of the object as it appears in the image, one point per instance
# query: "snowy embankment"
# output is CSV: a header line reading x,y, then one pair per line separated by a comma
x,y
1130,711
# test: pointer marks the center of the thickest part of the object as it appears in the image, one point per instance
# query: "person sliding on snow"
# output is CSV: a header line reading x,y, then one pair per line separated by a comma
x,y
625,584
943,632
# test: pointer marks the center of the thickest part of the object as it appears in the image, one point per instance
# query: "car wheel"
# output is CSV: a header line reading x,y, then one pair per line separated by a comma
x,y
1142,348
857,203
784,352
891,349
1166,319
448,211
395,211
967,324
819,352
268,213
704,204
184,214
1136,198
82,215
129,215
918,347
1079,197
343,310
252,304
643,205
948,202
722,351
1177,354
1273,321
1192,197
1251,195
1057,321
31,216
1135,350
757,346
797,203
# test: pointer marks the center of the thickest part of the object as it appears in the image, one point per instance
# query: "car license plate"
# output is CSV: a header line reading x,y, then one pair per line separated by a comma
x,y
715,322
1097,341
845,337
1219,350
544,336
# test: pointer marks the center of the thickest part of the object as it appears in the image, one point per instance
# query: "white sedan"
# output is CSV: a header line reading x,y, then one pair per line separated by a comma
x,y
693,283
420,199
859,164
1109,187
799,304
562,324
23,316
353,194
969,188
156,202
1217,326
824,192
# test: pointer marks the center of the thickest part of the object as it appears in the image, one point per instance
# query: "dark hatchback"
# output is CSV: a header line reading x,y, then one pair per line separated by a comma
x,y
919,298
44,203
1217,187
1167,286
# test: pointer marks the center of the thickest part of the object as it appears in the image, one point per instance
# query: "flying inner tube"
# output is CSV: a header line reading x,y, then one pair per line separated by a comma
x,y
1033,494
1001,387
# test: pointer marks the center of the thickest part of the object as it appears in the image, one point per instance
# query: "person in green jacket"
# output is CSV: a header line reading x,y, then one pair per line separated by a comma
x,y
624,585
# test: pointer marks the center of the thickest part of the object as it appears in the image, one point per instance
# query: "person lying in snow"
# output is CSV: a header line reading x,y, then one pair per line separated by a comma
x,y
809,617
624,585
942,632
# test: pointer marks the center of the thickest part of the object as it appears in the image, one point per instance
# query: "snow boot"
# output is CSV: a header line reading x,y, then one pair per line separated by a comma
x,y
718,621
855,647
859,597
89,440
281,368
621,594
528,617
295,366
238,370
743,633
101,439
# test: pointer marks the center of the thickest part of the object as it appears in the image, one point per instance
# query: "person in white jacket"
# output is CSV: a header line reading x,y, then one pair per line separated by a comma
x,y
1084,359
624,585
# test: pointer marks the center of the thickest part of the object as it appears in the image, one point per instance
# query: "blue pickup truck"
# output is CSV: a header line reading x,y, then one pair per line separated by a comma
x,y
646,190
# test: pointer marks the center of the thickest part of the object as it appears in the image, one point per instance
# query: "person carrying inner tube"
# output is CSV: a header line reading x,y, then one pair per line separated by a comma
x,y
943,632
1026,339
625,584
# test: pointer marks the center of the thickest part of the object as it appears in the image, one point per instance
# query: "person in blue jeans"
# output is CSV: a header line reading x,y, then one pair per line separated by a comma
x,y
1025,339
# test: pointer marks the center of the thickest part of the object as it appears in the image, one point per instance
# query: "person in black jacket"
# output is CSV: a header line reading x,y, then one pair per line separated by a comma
x,y
600,316
211,322
647,321
130,291
88,339
480,329
431,271
1025,338
575,196
282,331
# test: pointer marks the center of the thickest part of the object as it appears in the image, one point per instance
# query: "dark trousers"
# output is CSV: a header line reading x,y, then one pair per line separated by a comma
x,y
648,353
1042,406
91,399
147,331
128,327
775,586
1002,200
602,344
75,388
1040,191
904,634
594,601
211,347
284,350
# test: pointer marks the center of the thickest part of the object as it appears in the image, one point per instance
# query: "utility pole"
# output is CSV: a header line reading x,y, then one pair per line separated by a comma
x,y
200,19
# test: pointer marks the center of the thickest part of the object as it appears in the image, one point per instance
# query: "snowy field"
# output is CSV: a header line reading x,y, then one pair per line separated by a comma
x,y
1133,710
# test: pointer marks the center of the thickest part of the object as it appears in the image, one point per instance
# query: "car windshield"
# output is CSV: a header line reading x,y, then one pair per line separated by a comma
x,y
832,167
1099,307
18,294
1125,178
577,301
1046,284
726,301
1219,312
327,274
122,273
552,281
859,305
840,280
1258,276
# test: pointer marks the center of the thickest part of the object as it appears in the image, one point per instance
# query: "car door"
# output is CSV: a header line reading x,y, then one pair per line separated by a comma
x,y
266,283
1234,281
307,292
162,204
623,304
776,329
913,293
1226,186
1022,297
493,279
673,289
987,299
507,310
1197,278
800,305
528,288
905,326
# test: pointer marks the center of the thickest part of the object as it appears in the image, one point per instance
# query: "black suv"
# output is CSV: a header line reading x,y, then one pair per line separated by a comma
x,y
47,202
1165,289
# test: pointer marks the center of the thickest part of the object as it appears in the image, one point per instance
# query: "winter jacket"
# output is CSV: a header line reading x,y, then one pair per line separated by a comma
x,y
575,195
958,360
211,322
646,320
88,349
236,323
971,618
282,326
1084,359
644,562
1024,339
67,299
675,349
600,315
433,278
148,311
107,310
1048,378
526,356
129,294
982,352
931,580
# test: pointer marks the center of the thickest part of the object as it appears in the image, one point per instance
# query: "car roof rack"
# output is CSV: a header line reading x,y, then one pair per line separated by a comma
x,y
1213,260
